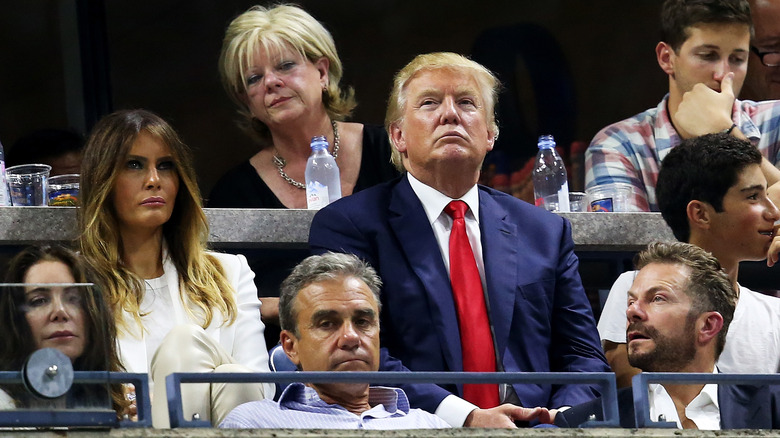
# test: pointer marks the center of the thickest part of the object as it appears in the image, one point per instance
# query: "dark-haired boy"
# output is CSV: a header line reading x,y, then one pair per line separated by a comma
x,y
712,194
704,51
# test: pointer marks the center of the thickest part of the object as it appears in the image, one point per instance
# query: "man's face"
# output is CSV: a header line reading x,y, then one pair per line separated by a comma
x,y
709,54
661,334
444,124
744,229
766,24
338,327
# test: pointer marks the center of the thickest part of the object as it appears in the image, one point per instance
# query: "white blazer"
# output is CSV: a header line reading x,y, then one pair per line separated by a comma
x,y
243,339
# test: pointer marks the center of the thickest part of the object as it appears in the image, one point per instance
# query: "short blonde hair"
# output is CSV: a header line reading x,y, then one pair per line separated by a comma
x,y
487,82
273,29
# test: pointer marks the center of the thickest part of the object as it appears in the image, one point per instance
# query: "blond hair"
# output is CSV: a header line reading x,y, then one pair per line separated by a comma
x,y
487,82
202,279
273,29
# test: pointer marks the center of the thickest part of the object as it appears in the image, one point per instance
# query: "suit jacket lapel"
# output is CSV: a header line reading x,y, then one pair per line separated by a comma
x,y
499,252
418,243
178,301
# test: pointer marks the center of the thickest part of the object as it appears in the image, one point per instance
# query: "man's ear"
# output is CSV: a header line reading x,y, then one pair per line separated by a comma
x,y
665,56
699,214
491,139
290,346
708,327
397,137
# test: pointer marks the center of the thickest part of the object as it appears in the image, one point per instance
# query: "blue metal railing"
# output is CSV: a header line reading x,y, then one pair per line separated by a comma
x,y
642,404
605,382
93,417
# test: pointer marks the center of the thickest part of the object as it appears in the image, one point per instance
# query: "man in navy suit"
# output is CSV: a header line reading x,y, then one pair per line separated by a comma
x,y
679,310
531,309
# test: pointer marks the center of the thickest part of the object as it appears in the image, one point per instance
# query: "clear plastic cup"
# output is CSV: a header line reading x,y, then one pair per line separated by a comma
x,y
613,197
28,184
64,190
578,202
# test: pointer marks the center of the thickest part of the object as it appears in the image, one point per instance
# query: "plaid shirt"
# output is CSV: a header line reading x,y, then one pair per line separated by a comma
x,y
631,151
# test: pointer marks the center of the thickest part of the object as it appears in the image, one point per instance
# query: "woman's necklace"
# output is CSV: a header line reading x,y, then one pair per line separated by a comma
x,y
280,162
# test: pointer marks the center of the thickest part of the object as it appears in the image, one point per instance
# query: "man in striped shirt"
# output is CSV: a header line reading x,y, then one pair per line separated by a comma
x,y
329,313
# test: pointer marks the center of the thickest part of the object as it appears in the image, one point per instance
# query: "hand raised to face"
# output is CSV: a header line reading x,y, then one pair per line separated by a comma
x,y
704,110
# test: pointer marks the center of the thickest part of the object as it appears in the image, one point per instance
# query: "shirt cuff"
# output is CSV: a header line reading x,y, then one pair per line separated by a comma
x,y
454,410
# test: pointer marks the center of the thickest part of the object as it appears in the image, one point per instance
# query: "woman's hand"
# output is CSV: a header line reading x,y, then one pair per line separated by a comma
x,y
131,411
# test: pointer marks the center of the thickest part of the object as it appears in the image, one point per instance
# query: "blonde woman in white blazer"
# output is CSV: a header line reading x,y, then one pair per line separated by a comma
x,y
177,306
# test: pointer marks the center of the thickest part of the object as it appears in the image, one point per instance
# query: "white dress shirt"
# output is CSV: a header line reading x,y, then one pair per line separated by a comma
x,y
433,202
703,410
452,409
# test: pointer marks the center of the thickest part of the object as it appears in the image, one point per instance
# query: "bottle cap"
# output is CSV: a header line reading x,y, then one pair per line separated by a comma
x,y
319,142
546,142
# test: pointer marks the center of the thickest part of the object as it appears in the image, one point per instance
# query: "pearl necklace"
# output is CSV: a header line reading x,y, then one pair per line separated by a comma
x,y
280,162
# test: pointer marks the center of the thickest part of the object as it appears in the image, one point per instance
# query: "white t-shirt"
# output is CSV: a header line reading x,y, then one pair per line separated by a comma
x,y
753,340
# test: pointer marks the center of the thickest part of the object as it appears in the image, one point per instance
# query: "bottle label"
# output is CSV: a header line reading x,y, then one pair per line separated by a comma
x,y
316,195
602,205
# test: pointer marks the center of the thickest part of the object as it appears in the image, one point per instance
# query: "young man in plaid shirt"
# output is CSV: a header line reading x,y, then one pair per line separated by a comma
x,y
704,52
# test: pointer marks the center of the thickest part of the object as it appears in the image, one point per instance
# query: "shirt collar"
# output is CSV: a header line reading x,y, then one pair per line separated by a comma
x,y
299,393
393,400
708,394
434,201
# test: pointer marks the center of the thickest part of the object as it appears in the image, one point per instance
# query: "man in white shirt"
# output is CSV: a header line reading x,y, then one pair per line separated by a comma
x,y
713,194
680,306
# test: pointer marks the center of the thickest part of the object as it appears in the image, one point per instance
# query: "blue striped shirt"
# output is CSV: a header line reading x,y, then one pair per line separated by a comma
x,y
300,407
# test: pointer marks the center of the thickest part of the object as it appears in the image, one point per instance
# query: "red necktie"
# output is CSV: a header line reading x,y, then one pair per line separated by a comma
x,y
475,338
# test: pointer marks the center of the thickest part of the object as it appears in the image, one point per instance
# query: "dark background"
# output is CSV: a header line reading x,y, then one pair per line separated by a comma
x,y
578,65
570,68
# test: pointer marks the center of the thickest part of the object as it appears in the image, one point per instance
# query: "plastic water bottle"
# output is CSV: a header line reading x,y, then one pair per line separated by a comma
x,y
5,194
551,184
323,183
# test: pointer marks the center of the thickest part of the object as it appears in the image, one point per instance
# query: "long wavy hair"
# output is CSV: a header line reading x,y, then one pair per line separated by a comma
x,y
202,280
16,342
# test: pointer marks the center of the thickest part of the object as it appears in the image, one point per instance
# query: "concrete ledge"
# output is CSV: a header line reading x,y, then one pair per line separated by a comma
x,y
271,228
617,231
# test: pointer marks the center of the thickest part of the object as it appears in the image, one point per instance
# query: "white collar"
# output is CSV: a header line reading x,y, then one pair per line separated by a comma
x,y
661,402
434,201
